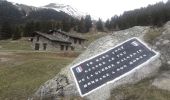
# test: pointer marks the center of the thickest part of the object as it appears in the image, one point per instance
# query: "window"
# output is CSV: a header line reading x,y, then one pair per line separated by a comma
x,y
44,46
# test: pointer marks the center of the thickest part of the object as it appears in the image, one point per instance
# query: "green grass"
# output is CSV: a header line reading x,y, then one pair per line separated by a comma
x,y
23,73
22,44
140,91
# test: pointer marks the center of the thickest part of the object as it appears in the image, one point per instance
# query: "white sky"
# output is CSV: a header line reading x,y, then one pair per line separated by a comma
x,y
96,8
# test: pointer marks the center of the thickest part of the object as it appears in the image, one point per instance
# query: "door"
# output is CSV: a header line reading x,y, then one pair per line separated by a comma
x,y
37,46
62,47
66,48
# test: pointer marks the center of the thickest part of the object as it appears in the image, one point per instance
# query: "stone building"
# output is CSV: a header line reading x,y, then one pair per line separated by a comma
x,y
57,40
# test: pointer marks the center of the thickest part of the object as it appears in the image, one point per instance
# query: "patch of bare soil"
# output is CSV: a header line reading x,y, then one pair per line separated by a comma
x,y
5,56
5,53
4,59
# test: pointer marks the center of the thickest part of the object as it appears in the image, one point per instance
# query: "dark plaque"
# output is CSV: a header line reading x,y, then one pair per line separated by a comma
x,y
111,65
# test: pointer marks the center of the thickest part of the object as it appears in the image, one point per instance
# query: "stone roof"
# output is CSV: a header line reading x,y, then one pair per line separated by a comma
x,y
52,37
69,34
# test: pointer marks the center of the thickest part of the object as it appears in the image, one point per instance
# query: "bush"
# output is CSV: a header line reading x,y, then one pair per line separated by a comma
x,y
152,35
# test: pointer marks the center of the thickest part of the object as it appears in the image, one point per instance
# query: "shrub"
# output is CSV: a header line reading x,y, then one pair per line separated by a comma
x,y
152,35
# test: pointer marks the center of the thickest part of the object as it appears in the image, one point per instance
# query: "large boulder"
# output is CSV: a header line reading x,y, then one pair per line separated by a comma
x,y
162,43
162,81
64,85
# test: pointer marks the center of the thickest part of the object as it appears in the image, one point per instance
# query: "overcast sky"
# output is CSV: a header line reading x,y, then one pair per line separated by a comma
x,y
96,8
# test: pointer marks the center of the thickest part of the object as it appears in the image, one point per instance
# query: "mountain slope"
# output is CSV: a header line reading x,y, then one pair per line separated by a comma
x,y
25,8
47,14
9,12
18,13
65,8
40,13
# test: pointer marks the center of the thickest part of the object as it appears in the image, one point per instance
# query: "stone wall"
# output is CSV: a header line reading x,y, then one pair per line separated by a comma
x,y
78,47
51,45
56,46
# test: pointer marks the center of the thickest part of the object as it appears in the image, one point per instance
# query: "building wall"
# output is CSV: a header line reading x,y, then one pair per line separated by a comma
x,y
78,44
50,45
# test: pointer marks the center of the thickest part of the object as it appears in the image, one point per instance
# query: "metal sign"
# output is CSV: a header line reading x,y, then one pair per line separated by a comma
x,y
111,65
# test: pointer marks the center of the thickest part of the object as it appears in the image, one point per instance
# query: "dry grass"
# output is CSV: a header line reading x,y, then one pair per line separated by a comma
x,y
22,44
152,35
23,73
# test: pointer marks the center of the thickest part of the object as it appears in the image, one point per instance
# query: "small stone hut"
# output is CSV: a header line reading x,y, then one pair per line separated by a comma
x,y
57,40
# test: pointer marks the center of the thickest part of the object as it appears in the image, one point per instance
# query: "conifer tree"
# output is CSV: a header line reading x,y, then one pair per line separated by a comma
x,y
6,30
107,24
81,26
16,33
99,25
88,22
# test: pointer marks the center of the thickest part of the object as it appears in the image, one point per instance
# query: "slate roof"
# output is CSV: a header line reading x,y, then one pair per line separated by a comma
x,y
70,35
52,37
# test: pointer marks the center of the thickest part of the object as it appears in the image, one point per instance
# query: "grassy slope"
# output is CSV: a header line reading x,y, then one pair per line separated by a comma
x,y
22,44
22,73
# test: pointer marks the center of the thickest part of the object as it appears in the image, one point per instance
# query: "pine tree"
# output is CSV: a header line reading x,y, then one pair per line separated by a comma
x,y
88,22
29,29
16,33
6,31
107,24
99,25
81,26
66,24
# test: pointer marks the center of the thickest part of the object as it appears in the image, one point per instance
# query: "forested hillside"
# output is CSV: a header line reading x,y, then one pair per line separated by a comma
x,y
17,20
21,20
155,15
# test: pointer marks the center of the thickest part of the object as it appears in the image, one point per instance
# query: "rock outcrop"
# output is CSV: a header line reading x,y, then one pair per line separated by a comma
x,y
63,83
162,43
162,81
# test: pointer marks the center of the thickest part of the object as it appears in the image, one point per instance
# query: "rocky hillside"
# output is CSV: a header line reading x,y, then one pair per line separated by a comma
x,y
157,38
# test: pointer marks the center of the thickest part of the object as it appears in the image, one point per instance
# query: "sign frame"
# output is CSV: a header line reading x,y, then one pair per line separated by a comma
x,y
119,77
